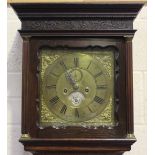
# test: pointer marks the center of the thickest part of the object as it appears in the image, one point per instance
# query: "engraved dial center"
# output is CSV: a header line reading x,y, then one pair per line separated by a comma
x,y
81,93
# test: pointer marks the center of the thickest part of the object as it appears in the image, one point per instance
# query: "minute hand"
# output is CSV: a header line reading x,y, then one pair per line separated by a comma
x,y
67,74
70,79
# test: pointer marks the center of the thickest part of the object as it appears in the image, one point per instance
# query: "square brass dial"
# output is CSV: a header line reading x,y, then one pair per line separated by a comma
x,y
76,87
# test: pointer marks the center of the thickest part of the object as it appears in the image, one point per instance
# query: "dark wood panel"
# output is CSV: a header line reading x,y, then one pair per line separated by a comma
x,y
25,83
129,85
72,132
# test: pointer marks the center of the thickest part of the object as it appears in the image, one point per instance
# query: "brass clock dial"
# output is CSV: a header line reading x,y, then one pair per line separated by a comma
x,y
76,87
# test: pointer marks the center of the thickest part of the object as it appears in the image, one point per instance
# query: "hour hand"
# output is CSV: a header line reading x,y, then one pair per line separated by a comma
x,y
72,81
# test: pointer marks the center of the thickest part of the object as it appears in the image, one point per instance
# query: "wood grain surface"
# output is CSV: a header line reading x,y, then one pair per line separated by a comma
x,y
78,1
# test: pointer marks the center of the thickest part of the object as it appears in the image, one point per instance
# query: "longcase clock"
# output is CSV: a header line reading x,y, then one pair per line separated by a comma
x,y
77,93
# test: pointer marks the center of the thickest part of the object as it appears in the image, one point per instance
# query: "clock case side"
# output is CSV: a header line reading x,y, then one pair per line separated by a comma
x,y
87,21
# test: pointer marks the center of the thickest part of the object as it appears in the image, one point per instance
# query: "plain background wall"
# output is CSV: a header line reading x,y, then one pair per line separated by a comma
x,y
14,58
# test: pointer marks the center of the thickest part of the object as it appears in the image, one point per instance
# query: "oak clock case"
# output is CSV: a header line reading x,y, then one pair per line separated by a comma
x,y
77,91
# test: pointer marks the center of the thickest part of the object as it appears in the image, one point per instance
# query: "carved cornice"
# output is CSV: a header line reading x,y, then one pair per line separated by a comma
x,y
48,10
53,17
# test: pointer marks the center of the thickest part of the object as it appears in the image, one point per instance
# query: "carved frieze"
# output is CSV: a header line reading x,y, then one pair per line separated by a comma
x,y
78,25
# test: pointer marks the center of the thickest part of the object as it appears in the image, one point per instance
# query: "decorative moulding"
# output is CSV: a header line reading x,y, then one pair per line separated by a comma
x,y
78,1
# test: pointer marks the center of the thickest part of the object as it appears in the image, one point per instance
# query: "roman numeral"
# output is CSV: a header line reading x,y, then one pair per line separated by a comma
x,y
98,100
63,65
76,113
54,100
76,62
51,86
90,109
63,109
89,65
101,86
98,74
